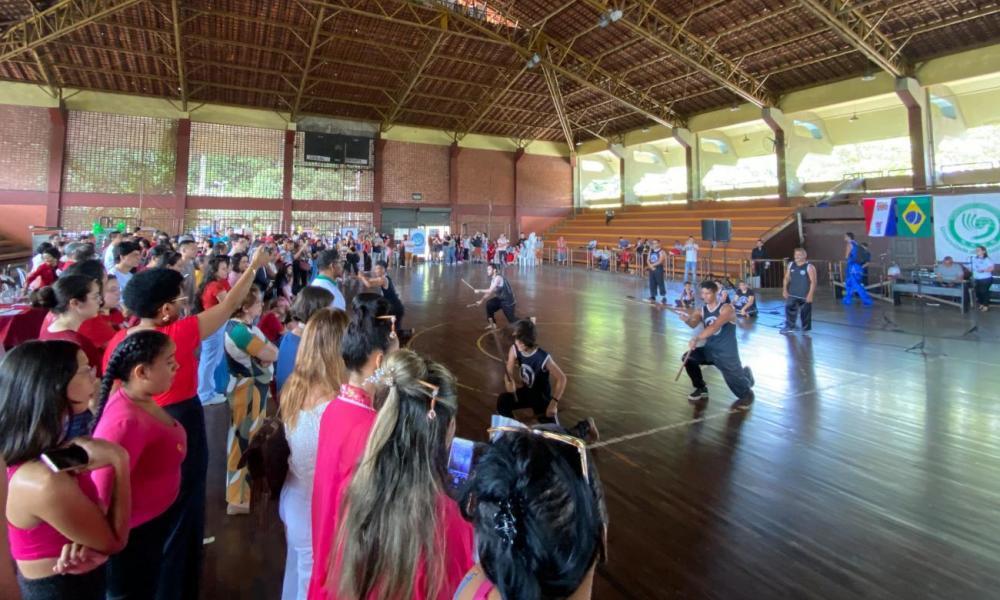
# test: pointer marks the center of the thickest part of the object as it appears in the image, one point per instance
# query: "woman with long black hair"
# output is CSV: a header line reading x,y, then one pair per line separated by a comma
x,y
59,533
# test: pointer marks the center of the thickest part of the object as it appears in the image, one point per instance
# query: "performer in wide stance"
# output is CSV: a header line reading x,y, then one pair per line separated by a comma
x,y
853,279
719,348
383,282
499,296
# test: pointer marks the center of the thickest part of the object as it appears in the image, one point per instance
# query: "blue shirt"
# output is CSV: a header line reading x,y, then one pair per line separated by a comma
x,y
288,347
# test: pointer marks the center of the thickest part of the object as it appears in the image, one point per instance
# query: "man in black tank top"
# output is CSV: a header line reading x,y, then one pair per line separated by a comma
x,y
800,285
543,383
383,282
499,296
716,345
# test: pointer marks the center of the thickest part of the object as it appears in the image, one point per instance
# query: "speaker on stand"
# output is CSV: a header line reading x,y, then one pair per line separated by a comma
x,y
723,233
708,234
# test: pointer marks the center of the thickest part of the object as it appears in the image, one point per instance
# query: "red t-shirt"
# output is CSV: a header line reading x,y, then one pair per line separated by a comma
x,y
210,296
45,274
92,352
155,452
187,338
270,325
102,328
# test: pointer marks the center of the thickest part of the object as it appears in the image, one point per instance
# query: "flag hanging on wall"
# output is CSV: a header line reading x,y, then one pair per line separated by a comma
x,y
880,217
913,216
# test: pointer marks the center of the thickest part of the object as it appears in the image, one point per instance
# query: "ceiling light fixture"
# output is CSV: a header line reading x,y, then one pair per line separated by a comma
x,y
533,61
853,118
612,15
735,106
869,74
645,129
746,137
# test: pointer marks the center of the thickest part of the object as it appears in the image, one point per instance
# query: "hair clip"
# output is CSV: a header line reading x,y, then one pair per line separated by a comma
x,y
376,376
431,414
505,523
392,321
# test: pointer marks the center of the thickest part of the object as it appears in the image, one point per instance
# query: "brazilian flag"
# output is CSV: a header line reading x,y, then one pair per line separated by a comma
x,y
913,216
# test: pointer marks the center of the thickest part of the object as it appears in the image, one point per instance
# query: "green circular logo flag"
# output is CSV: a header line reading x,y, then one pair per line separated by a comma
x,y
972,225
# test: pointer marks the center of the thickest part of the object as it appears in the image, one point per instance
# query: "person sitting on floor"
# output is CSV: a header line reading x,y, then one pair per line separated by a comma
x,y
745,301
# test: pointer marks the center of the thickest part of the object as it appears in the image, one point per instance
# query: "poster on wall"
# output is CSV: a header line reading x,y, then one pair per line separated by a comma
x,y
418,241
963,222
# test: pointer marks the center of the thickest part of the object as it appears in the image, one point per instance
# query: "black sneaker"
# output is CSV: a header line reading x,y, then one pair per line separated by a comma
x,y
698,394
743,403
786,329
749,374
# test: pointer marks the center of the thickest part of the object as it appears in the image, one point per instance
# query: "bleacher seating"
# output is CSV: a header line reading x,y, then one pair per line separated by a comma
x,y
750,221
13,252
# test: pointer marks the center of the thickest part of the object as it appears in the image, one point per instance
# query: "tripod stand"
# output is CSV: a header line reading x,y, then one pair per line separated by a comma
x,y
920,346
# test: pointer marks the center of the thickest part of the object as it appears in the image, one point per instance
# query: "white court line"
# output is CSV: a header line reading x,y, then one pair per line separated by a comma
x,y
662,428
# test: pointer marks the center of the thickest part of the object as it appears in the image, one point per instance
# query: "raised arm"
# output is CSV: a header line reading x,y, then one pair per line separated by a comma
x,y
212,319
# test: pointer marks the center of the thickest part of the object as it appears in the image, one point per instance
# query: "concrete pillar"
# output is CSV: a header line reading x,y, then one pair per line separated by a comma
x,y
620,152
286,181
914,98
689,142
58,117
377,189
181,171
787,153
574,165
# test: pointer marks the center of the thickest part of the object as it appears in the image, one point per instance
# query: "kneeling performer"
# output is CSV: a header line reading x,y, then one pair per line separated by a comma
x,y
719,349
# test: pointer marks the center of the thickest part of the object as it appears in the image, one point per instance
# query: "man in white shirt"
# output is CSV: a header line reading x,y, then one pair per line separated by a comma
x,y
690,259
114,238
328,264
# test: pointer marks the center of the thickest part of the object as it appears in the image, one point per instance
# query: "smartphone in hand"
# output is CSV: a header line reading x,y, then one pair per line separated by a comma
x,y
65,459
460,463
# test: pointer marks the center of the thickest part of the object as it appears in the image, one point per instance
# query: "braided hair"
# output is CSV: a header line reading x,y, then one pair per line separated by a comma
x,y
139,348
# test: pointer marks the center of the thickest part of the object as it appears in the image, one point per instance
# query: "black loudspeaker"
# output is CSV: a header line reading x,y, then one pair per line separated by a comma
x,y
723,230
708,230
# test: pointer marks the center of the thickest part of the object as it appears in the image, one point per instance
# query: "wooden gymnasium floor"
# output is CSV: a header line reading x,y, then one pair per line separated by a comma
x,y
863,471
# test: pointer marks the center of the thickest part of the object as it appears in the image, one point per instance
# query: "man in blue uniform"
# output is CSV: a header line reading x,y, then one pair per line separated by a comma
x,y
855,272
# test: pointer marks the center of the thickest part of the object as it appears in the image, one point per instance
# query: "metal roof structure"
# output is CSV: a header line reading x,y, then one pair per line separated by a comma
x,y
562,70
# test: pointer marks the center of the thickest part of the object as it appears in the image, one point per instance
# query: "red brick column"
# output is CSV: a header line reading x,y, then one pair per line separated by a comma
x,y
286,182
453,153
378,190
57,160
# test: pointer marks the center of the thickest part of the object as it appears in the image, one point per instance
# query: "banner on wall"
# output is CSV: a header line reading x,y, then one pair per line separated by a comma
x,y
880,217
963,222
419,240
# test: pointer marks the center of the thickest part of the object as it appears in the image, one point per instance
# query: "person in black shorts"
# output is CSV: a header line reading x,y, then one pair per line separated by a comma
x,y
798,291
543,383
499,296
716,345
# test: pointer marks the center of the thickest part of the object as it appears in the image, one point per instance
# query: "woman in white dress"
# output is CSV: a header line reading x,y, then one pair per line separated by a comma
x,y
315,379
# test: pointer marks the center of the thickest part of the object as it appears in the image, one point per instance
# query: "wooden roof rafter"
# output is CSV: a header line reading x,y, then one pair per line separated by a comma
x,y
862,33
61,19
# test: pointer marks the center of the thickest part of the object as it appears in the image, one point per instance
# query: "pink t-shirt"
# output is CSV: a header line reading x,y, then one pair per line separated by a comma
x,y
155,452
343,433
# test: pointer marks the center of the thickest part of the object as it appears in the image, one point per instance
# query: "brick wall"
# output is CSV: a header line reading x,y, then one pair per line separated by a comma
x,y
409,167
544,181
485,176
24,148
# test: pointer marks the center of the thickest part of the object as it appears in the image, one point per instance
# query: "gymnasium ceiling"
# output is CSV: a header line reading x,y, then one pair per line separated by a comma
x,y
525,69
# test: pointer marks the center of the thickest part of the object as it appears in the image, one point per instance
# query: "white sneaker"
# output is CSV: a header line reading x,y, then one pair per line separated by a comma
x,y
216,399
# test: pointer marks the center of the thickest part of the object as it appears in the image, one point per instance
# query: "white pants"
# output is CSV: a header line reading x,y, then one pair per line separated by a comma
x,y
295,509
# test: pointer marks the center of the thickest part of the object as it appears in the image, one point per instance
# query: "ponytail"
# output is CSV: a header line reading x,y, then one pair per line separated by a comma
x,y
380,540
57,296
140,348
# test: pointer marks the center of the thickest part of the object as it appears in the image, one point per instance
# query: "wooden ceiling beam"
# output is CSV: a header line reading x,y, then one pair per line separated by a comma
x,y
568,63
557,101
431,44
861,33
175,15
307,64
643,18
62,18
